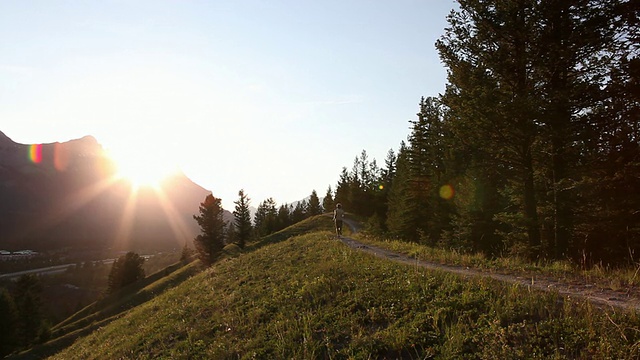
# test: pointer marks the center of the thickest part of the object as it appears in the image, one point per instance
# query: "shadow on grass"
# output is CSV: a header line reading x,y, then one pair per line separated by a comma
x,y
110,308
114,306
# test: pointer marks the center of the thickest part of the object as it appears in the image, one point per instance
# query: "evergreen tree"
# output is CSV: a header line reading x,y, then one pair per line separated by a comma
x,y
187,254
343,189
384,182
604,208
527,80
427,172
374,189
8,322
284,216
210,242
487,48
266,218
362,184
28,301
577,41
389,172
402,217
230,234
298,212
357,202
327,202
126,270
532,149
314,207
242,219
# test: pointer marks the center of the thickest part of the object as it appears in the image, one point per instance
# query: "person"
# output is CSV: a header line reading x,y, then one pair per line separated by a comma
x,y
338,215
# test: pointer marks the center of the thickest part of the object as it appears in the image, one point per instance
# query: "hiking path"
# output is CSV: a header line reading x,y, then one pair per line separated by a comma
x,y
627,299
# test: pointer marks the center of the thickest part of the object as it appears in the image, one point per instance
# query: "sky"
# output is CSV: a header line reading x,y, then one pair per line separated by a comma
x,y
273,97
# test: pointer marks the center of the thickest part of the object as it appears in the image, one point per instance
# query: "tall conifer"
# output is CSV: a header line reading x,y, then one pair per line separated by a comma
x,y
314,208
210,242
327,202
242,219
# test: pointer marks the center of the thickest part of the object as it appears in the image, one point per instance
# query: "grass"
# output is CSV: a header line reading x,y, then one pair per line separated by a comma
x,y
614,279
110,308
312,224
301,294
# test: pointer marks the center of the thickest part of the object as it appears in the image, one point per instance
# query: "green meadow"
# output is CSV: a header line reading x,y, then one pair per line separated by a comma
x,y
302,294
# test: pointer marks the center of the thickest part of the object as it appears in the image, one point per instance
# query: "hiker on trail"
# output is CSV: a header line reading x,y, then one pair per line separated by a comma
x,y
338,215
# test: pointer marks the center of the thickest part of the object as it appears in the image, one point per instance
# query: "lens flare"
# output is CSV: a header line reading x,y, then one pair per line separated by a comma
x,y
35,153
381,187
60,157
446,192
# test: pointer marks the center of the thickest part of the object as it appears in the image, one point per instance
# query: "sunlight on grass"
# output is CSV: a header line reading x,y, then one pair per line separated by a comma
x,y
613,279
311,297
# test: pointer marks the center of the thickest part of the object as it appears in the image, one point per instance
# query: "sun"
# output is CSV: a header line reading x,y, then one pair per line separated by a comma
x,y
143,169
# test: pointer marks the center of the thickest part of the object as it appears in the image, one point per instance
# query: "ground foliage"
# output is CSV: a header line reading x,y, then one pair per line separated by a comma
x,y
311,297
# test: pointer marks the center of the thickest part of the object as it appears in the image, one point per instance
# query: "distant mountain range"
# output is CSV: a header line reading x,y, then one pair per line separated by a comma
x,y
66,195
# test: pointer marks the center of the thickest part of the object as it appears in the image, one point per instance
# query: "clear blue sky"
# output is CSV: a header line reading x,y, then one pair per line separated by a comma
x,y
271,96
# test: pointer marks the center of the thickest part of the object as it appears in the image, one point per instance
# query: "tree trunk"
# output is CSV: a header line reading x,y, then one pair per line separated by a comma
x,y
530,207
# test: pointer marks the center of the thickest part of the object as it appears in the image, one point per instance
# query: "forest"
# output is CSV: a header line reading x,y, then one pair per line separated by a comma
x,y
532,150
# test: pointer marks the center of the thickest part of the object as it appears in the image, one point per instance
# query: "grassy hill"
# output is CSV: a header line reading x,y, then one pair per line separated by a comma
x,y
302,294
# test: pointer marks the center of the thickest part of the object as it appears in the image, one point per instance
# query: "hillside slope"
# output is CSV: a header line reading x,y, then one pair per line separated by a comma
x,y
310,296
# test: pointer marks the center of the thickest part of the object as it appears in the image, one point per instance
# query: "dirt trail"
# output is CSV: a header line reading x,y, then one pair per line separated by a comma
x,y
628,299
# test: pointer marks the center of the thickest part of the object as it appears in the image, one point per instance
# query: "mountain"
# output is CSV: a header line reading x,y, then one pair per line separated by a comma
x,y
61,195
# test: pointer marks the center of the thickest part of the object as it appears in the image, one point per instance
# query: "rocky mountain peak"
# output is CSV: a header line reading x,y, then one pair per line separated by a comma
x,y
5,140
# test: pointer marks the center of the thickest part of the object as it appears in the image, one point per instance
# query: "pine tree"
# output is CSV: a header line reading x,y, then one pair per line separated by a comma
x,y
210,242
343,189
126,270
606,218
28,301
426,170
242,219
298,212
357,184
314,208
187,254
527,81
403,217
327,202
361,185
376,200
8,322
577,43
389,172
384,183
266,218
284,217
491,101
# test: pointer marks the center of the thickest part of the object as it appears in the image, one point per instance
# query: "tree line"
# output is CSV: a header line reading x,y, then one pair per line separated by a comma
x,y
26,321
216,233
22,322
533,149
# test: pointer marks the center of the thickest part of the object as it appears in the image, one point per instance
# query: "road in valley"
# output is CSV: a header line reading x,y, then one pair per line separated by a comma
x,y
50,270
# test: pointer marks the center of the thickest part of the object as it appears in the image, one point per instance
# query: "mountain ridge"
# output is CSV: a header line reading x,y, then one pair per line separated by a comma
x,y
67,194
